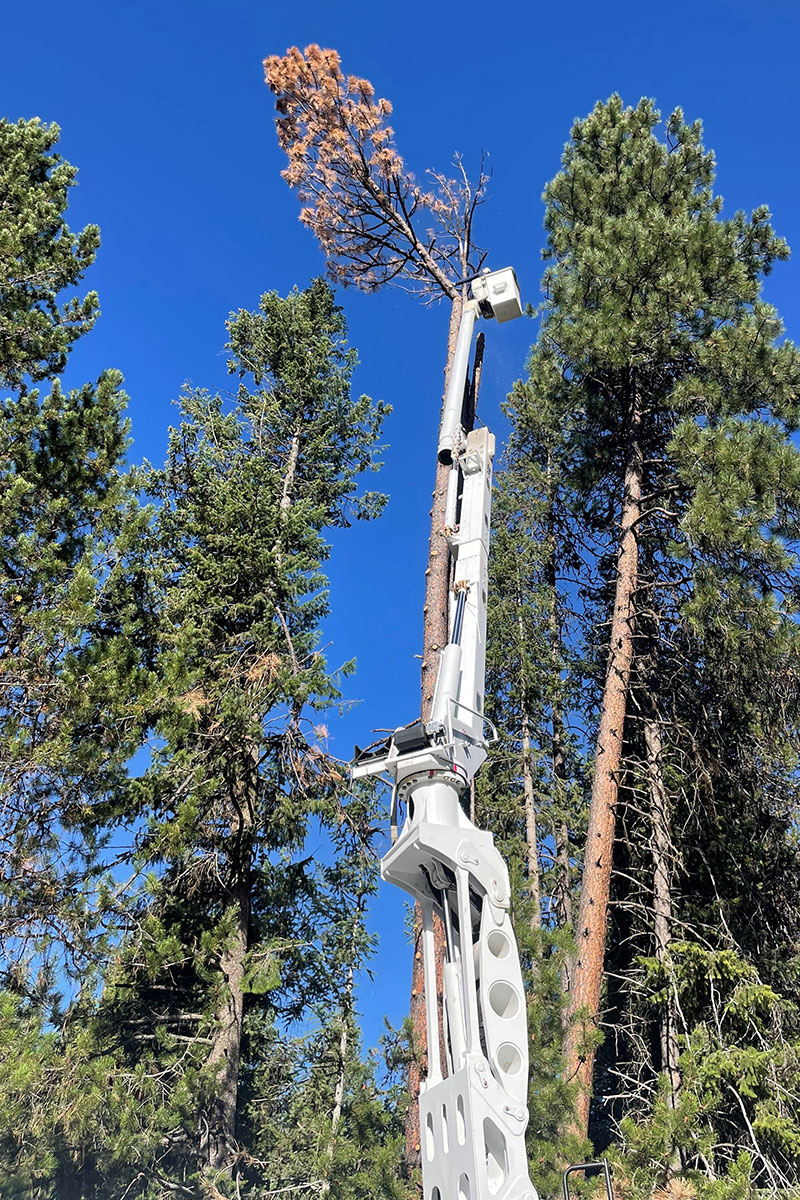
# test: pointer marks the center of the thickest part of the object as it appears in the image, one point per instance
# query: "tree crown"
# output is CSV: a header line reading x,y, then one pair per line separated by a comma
x,y
358,198
39,255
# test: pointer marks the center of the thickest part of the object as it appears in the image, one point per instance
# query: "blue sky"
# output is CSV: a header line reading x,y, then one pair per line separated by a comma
x,y
164,110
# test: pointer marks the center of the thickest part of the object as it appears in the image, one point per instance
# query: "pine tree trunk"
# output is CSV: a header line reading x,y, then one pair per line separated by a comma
x,y
529,796
437,574
532,850
563,887
587,969
218,1131
338,1090
218,1138
435,634
338,1096
291,469
662,902
563,890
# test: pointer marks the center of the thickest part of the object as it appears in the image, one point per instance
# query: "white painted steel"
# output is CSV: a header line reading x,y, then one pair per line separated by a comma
x,y
471,573
486,1048
500,290
451,502
473,1109
447,684
450,431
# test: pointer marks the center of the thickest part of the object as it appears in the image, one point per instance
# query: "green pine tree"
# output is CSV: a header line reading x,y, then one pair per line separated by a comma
x,y
679,399
65,511
40,257
228,935
531,793
67,725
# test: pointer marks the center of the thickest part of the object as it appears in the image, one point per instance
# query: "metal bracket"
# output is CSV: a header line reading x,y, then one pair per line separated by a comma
x,y
602,1165
454,704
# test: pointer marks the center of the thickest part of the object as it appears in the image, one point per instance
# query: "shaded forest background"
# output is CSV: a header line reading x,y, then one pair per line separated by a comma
x,y
179,973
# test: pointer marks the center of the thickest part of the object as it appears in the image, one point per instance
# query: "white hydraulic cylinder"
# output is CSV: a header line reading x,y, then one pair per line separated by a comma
x,y
446,684
450,429
453,991
451,502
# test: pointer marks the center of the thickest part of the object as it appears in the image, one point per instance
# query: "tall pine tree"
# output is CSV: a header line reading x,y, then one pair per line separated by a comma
x,y
668,371
233,922
65,513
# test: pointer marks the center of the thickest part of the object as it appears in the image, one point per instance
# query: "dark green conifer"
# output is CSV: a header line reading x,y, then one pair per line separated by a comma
x,y
67,726
681,489
231,945
64,511
40,257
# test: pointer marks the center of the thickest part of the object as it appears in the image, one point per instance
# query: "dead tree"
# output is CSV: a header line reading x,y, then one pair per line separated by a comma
x,y
376,225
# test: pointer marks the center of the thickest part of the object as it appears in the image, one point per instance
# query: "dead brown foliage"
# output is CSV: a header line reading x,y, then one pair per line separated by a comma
x,y
374,223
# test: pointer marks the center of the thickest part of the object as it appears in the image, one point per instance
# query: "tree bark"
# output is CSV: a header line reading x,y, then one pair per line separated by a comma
x,y
532,848
588,966
662,902
529,797
434,639
291,468
563,885
563,891
338,1090
437,573
218,1138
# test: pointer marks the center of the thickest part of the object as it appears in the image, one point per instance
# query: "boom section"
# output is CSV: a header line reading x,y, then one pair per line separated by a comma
x,y
473,1101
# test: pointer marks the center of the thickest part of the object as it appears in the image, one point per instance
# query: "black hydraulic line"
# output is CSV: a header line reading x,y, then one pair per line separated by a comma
x,y
458,619
448,926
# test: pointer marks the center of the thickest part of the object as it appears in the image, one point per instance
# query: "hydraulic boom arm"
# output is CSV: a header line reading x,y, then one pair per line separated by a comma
x,y
473,1103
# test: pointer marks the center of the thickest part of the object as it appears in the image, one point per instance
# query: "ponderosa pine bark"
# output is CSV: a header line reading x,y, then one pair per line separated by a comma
x,y
586,975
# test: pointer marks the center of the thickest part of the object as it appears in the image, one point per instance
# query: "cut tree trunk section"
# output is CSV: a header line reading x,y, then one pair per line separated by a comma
x,y
434,639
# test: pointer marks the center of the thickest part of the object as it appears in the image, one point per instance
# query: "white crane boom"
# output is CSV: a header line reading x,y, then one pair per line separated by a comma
x,y
473,1103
